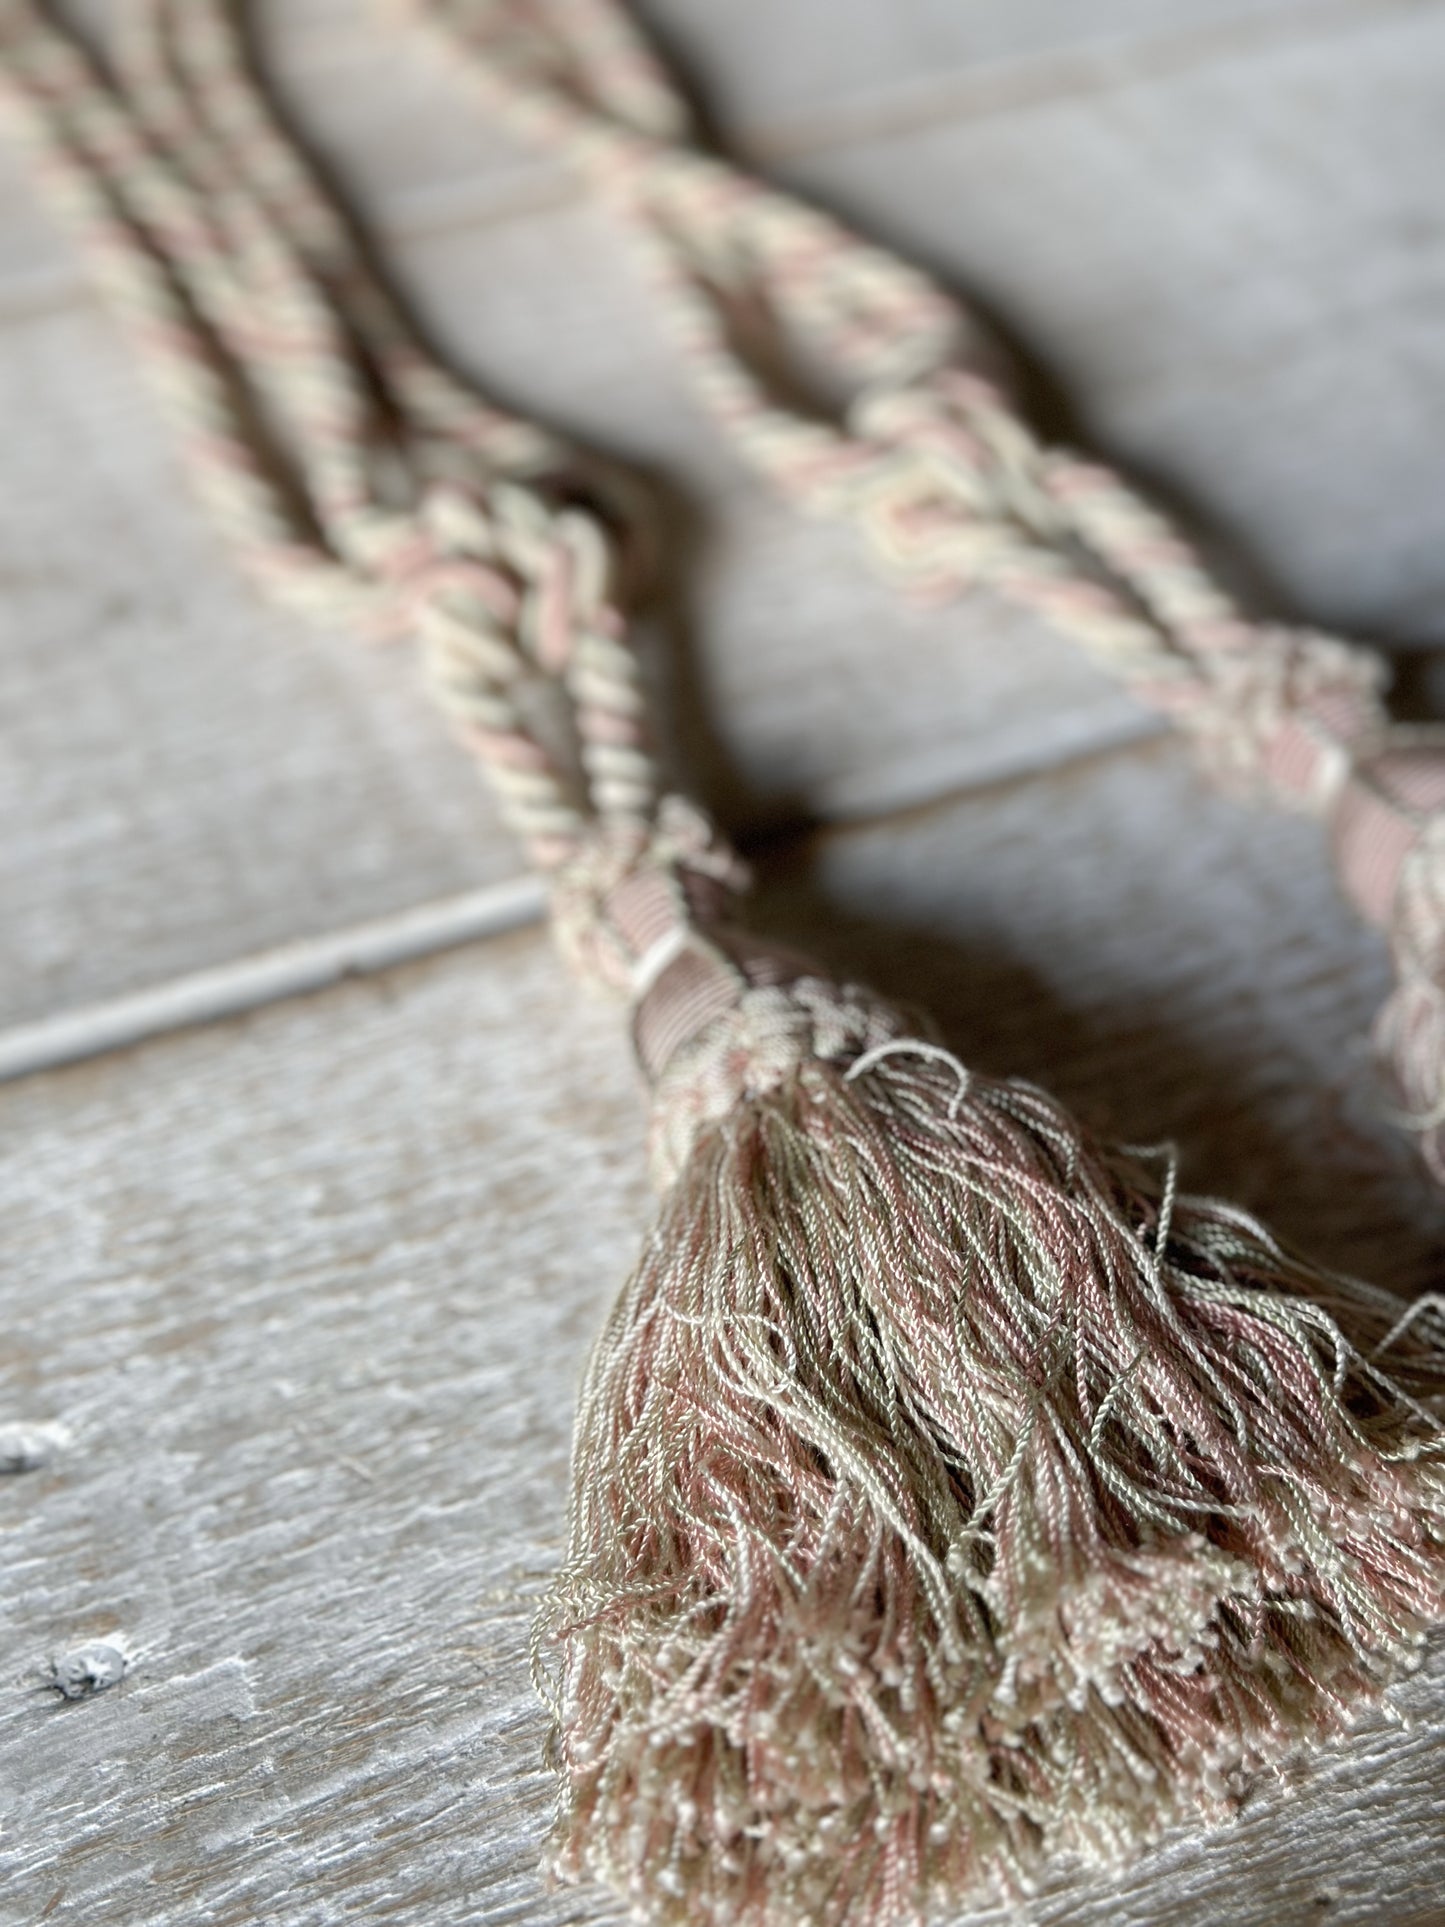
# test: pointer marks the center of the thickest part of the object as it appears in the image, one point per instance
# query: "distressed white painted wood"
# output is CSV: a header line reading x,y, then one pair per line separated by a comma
x,y
293,1306
186,777
303,1299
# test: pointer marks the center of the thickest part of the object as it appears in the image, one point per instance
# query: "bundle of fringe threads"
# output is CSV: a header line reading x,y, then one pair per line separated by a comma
x,y
949,1492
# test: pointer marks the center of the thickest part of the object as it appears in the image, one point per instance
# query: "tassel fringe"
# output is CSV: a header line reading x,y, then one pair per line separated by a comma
x,y
948,1491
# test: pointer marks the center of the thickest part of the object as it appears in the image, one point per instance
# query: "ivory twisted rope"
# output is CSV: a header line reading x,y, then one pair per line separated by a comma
x,y
952,490
351,470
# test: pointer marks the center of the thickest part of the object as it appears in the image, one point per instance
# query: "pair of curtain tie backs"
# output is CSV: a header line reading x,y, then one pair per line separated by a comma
x,y
949,1491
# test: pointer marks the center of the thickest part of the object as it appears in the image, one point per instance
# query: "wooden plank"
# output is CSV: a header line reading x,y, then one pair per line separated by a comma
x,y
805,70
251,1460
307,1294
188,776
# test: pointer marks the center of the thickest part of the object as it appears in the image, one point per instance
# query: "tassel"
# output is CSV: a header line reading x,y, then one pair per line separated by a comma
x,y
947,1490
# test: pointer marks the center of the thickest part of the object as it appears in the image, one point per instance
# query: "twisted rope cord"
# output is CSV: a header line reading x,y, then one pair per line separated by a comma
x,y
356,475
364,483
81,146
953,491
174,56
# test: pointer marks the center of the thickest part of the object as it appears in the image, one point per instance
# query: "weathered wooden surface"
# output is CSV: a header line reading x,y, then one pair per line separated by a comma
x,y
309,1293
306,1293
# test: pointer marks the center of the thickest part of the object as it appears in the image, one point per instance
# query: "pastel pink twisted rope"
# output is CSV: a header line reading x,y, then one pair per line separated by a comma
x,y
953,491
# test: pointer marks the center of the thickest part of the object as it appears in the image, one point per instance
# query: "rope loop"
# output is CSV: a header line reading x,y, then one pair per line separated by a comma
x,y
514,596
954,487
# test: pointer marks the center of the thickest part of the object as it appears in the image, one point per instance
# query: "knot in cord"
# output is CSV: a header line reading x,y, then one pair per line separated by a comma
x,y
1279,712
961,493
949,480
507,557
516,601
1388,827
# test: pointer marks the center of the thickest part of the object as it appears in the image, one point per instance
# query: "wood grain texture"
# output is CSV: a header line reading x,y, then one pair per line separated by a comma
x,y
1229,262
308,1294
813,71
187,775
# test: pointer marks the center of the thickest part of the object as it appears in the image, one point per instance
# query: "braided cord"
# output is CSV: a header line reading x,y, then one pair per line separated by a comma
x,y
85,148
190,77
